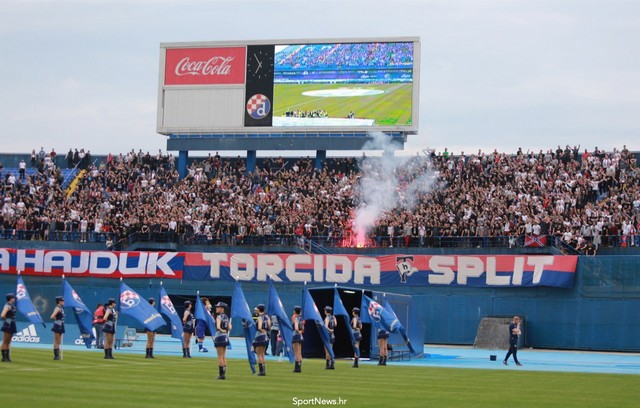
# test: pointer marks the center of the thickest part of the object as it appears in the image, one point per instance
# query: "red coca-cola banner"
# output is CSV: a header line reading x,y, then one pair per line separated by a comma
x,y
205,66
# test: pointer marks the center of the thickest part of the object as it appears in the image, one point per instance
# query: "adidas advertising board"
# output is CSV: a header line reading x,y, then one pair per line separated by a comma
x,y
27,335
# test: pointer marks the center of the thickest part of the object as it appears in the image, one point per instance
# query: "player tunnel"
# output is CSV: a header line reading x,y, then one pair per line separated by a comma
x,y
402,305
313,347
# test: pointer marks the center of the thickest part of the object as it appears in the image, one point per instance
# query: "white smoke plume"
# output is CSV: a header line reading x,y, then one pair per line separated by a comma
x,y
388,182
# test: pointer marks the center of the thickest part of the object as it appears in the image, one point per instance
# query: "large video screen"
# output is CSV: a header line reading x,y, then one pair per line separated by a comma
x,y
343,85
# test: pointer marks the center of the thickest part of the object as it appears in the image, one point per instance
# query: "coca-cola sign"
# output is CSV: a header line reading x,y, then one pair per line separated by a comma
x,y
205,66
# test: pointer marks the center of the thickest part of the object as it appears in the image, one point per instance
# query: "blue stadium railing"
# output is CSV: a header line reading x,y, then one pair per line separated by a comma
x,y
314,244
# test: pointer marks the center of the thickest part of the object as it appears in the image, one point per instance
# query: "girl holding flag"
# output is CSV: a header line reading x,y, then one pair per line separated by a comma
x,y
297,322
9,328
330,323
221,339
109,328
383,337
356,327
187,329
201,327
151,334
58,326
260,342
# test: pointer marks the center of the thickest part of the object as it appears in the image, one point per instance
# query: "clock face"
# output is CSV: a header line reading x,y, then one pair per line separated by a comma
x,y
260,64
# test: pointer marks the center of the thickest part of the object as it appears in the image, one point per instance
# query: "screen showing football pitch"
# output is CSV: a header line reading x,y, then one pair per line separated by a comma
x,y
344,84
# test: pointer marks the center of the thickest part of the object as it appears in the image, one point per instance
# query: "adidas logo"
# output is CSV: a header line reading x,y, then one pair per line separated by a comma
x,y
80,341
27,335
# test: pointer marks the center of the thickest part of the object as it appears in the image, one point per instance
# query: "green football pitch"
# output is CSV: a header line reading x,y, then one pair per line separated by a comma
x,y
390,108
85,379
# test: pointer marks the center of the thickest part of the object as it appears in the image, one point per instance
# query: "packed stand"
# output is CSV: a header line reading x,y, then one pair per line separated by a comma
x,y
579,200
346,55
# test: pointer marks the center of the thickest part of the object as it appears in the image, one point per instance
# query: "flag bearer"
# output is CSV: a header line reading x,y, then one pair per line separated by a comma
x,y
58,326
151,334
298,329
383,337
221,339
261,341
330,323
356,327
9,328
109,328
187,329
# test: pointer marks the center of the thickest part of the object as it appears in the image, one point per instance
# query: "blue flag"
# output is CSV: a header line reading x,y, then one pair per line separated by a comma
x,y
401,328
25,305
378,315
80,311
339,310
240,309
203,314
131,304
167,308
310,312
286,330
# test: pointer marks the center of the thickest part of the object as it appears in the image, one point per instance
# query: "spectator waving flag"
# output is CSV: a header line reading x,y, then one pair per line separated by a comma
x,y
275,308
25,305
537,241
131,304
310,312
240,309
401,328
339,310
167,308
80,311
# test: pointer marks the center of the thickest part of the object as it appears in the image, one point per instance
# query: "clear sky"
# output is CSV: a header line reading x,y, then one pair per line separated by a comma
x,y
494,74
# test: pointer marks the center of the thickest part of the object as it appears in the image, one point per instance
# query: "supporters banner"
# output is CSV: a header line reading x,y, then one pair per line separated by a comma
x,y
97,264
388,270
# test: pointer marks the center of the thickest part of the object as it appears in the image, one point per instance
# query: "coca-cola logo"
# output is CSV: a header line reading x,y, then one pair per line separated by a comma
x,y
213,66
205,66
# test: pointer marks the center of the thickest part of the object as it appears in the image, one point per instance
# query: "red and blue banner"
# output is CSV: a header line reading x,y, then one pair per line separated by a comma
x,y
96,264
387,270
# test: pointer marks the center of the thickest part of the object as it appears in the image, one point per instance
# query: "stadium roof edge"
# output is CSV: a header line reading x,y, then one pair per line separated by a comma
x,y
288,41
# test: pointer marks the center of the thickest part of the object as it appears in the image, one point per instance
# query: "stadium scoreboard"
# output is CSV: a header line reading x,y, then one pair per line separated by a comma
x,y
293,87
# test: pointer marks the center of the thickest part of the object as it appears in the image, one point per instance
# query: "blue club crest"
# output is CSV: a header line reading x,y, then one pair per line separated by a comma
x,y
129,299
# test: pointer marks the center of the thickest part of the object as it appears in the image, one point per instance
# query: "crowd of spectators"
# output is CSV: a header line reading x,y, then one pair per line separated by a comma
x,y
300,113
346,55
583,200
